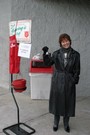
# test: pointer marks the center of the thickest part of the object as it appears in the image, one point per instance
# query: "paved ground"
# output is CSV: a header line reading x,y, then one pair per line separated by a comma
x,y
35,114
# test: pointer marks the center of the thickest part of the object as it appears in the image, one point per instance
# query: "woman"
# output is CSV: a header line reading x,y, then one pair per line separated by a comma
x,y
65,77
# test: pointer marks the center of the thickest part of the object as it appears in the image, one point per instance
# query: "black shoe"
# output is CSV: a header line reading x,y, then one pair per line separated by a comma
x,y
67,129
56,122
55,127
66,123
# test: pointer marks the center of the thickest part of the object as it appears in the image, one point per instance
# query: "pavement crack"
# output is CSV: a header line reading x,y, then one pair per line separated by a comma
x,y
35,118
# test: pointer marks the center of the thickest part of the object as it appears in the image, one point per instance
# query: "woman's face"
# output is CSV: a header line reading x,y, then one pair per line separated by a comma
x,y
65,43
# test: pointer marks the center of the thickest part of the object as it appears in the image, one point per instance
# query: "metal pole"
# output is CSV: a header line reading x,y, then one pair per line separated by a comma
x,y
18,119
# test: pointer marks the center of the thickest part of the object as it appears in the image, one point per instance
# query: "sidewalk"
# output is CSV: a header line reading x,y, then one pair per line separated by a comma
x,y
35,114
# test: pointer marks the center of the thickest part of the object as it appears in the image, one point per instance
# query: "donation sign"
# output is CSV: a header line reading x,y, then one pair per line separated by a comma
x,y
22,30
24,50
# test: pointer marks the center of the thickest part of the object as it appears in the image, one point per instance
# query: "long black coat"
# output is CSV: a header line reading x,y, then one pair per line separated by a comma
x,y
63,85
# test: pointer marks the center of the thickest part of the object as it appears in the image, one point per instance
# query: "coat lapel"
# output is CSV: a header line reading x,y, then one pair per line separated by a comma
x,y
61,59
70,57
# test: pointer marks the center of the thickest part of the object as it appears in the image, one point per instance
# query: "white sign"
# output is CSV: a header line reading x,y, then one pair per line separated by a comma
x,y
24,50
22,30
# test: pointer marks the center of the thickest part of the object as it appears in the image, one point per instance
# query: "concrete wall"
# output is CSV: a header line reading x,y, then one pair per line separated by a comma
x,y
50,18
5,16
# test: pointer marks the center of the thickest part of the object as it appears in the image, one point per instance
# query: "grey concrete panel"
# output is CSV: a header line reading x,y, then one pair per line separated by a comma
x,y
49,18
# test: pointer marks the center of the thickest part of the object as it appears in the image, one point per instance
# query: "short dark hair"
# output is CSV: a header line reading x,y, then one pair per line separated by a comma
x,y
63,36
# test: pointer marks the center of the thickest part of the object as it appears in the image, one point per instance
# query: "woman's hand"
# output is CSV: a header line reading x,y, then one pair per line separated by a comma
x,y
45,49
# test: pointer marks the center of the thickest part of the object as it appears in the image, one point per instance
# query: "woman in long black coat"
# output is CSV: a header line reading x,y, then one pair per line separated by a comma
x,y
65,77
